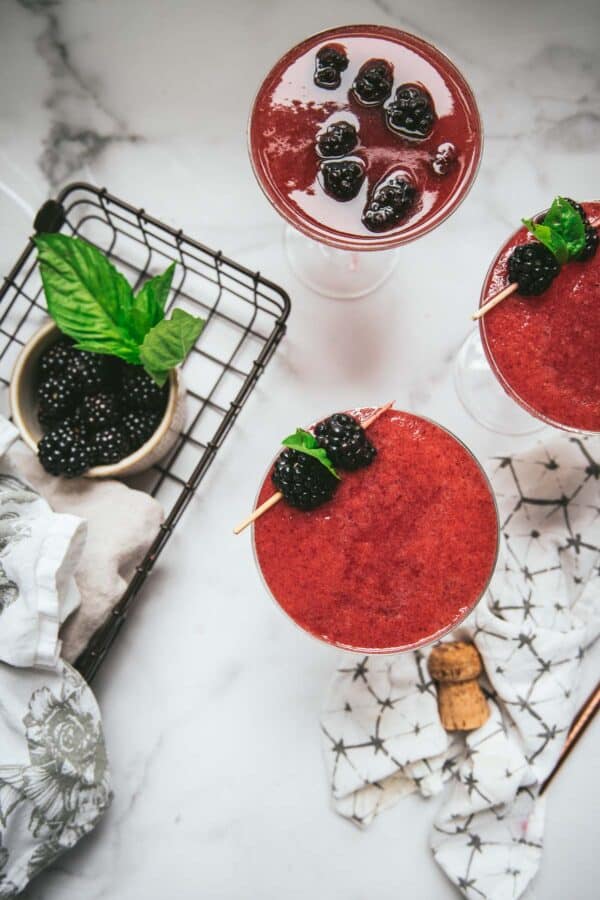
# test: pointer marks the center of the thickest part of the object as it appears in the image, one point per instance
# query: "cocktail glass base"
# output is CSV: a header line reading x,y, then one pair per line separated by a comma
x,y
484,398
342,274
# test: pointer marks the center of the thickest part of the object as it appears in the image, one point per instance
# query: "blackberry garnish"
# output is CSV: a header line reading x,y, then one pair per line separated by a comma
x,y
342,180
345,441
303,480
110,446
330,62
339,139
140,391
98,411
591,244
578,208
58,358
373,84
390,203
57,396
533,267
139,426
63,451
411,113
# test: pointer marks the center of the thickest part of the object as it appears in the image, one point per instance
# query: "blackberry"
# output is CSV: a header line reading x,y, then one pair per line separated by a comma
x,y
139,427
533,267
390,203
339,139
411,113
303,480
342,180
591,233
57,397
591,244
98,411
330,62
58,358
373,84
110,446
345,441
139,391
62,451
95,371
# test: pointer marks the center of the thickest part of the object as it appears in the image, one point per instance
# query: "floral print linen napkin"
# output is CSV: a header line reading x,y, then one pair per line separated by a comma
x,y
381,731
54,777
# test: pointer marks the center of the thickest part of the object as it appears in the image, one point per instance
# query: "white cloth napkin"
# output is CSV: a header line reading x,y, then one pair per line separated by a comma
x,y
121,525
54,779
381,730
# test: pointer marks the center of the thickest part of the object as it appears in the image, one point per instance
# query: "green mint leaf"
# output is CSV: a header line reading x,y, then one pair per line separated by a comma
x,y
168,343
567,222
305,442
148,307
87,298
550,239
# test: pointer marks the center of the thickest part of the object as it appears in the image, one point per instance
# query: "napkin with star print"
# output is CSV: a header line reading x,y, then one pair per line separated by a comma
x,y
381,730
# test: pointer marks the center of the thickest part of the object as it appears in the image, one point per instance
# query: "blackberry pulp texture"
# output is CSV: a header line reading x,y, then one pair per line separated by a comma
x,y
139,426
303,480
374,82
330,62
342,180
411,113
533,267
95,371
139,391
57,396
58,358
345,441
339,139
98,411
110,446
63,451
390,203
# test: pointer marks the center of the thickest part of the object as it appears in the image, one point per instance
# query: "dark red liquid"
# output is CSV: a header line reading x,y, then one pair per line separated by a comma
x,y
400,554
290,110
545,350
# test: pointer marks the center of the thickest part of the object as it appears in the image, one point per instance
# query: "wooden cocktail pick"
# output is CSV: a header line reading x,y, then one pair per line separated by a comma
x,y
276,497
494,301
508,290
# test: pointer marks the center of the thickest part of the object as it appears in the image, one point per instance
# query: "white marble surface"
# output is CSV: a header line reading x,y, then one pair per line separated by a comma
x,y
210,698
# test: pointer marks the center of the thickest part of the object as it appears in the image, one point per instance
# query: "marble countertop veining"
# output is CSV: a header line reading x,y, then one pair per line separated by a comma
x,y
210,698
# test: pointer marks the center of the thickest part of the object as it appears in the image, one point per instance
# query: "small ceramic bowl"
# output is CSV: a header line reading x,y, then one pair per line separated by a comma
x,y
23,405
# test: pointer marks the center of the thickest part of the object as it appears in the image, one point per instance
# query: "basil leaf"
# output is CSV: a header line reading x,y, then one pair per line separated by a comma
x,y
567,222
149,305
168,343
305,442
550,239
87,298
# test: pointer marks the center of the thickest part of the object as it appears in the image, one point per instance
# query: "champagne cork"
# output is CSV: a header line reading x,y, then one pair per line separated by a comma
x,y
456,667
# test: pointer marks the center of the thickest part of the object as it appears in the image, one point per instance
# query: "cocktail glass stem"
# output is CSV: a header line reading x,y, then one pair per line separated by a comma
x,y
343,274
483,397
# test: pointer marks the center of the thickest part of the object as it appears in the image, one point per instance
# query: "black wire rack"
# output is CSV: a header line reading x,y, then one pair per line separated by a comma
x,y
245,321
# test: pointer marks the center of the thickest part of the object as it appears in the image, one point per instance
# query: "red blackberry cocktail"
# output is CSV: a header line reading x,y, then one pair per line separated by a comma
x,y
545,350
398,556
541,343
364,138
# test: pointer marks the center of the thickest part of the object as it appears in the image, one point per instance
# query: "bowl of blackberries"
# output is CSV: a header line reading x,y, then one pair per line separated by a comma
x,y
90,414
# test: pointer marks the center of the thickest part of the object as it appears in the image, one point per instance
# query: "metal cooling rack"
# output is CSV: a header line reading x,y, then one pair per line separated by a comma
x,y
245,321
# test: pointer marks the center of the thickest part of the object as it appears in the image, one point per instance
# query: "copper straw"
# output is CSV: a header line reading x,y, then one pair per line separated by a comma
x,y
580,723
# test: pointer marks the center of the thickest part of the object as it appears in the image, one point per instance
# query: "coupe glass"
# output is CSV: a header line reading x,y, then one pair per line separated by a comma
x,y
326,243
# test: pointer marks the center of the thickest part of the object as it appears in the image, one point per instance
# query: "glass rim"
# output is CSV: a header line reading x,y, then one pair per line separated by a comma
x,y
322,234
429,639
